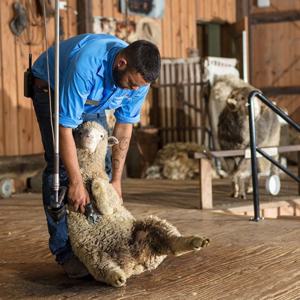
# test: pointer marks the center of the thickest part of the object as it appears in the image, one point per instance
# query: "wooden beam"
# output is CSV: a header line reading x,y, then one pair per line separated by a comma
x,y
241,152
21,166
285,90
160,85
250,43
205,183
241,9
84,17
275,17
298,172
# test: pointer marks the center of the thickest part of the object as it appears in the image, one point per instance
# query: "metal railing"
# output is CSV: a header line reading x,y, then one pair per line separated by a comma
x,y
254,148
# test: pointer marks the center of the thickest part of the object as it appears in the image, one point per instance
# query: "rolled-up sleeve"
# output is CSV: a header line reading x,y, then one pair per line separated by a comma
x,y
74,90
130,112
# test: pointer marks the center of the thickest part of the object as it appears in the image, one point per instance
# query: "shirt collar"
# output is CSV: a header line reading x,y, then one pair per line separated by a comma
x,y
110,63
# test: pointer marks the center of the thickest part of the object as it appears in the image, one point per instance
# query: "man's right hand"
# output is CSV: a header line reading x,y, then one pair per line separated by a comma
x,y
78,196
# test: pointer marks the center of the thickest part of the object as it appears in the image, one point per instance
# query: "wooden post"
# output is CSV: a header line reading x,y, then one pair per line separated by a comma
x,y
205,182
298,171
84,18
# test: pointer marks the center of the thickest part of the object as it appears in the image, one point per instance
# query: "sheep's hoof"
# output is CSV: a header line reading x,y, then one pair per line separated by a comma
x,y
250,190
234,194
243,196
198,243
116,278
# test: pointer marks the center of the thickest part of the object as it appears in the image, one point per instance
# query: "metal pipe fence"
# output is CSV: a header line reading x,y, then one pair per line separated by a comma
x,y
254,148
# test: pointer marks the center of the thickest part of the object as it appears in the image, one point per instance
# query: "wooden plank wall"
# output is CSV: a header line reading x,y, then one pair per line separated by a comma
x,y
19,133
276,5
178,32
179,36
178,25
276,55
276,59
216,10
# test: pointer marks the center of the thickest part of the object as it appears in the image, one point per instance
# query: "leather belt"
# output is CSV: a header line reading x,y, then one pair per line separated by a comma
x,y
92,102
41,84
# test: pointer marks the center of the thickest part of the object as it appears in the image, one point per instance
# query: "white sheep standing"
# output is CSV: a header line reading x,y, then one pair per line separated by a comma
x,y
220,91
233,133
118,246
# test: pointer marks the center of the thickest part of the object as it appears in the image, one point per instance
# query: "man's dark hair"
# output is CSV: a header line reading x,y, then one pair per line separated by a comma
x,y
144,57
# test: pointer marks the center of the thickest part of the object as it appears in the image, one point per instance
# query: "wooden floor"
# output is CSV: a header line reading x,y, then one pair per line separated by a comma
x,y
245,260
185,194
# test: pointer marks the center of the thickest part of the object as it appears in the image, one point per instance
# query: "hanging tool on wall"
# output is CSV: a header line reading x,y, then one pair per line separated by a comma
x,y
20,20
28,79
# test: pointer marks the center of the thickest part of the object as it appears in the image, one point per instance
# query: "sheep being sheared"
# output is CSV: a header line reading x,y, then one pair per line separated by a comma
x,y
233,133
118,246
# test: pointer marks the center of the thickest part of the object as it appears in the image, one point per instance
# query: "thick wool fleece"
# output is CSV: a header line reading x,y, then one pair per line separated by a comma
x,y
118,246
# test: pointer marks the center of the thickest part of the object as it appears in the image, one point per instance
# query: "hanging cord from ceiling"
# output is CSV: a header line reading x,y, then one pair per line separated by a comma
x,y
48,70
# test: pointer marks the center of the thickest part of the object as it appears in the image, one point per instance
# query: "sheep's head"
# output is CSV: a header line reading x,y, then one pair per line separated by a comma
x,y
90,135
238,99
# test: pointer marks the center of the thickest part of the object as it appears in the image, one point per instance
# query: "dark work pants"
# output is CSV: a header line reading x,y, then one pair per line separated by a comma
x,y
58,242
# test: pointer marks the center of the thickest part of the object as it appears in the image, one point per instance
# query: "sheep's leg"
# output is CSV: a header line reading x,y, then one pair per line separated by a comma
x,y
250,186
114,275
273,169
184,244
104,269
242,187
235,187
239,178
166,239
101,196
265,168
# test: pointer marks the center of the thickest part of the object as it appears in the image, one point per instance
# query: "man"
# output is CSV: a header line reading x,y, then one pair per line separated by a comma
x,y
97,72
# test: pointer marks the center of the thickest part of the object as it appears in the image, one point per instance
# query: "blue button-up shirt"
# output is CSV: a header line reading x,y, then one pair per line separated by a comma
x,y
86,63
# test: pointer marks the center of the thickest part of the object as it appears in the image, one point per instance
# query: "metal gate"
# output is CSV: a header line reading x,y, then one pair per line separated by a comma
x,y
178,108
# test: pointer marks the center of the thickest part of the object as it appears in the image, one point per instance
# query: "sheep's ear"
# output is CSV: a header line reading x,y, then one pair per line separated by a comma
x,y
112,140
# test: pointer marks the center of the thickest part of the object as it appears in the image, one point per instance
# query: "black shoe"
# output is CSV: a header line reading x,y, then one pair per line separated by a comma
x,y
75,268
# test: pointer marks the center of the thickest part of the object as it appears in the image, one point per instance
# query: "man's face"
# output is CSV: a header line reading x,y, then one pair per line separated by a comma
x,y
128,79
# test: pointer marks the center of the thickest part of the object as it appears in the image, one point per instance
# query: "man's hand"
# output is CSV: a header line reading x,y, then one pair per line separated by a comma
x,y
78,196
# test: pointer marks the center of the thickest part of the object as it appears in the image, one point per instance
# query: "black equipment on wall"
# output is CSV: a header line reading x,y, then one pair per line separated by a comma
x,y
28,79
149,8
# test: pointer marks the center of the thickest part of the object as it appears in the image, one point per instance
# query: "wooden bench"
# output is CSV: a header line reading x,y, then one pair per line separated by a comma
x,y
205,168
17,169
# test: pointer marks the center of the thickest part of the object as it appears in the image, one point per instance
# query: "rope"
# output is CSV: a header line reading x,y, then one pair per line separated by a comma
x,y
48,72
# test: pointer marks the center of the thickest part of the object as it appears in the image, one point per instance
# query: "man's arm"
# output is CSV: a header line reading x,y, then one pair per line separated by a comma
x,y
77,194
122,132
